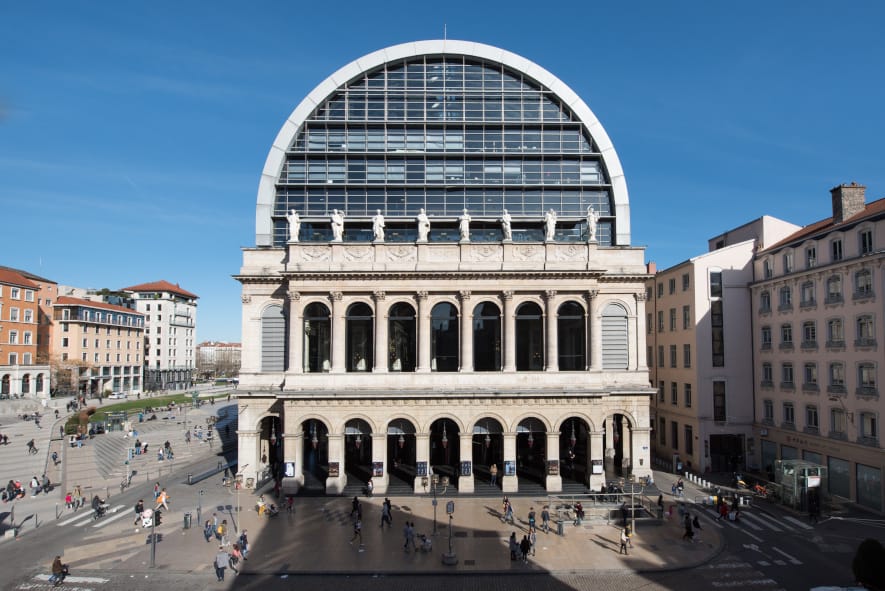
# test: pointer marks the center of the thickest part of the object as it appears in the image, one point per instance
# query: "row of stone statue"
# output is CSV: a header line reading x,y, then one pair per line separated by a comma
x,y
337,219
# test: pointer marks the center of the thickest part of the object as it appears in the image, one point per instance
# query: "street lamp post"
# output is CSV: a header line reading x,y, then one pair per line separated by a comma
x,y
238,482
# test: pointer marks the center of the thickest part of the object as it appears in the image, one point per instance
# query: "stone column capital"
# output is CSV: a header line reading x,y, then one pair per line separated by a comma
x,y
592,294
246,299
549,294
464,294
294,296
422,295
640,296
336,296
379,295
507,295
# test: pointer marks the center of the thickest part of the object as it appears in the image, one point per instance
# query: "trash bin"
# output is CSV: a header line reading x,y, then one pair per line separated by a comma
x,y
560,527
187,520
190,478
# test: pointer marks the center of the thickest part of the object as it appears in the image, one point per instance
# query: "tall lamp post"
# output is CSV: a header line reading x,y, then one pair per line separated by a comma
x,y
238,482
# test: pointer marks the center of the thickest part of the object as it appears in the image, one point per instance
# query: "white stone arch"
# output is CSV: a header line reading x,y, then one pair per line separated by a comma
x,y
317,299
266,414
538,415
402,416
482,415
360,299
559,423
527,299
301,419
373,424
434,300
425,427
625,413
572,298
277,155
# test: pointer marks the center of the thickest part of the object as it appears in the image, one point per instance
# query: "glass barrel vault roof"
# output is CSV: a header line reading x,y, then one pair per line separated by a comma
x,y
443,126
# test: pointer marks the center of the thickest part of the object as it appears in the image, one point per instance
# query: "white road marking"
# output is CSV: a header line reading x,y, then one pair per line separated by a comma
x,y
751,522
727,565
792,559
73,579
758,582
109,520
757,538
763,563
780,562
795,521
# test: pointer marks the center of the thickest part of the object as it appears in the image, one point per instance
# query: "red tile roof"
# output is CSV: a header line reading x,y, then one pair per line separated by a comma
x,y
826,225
10,277
161,285
69,301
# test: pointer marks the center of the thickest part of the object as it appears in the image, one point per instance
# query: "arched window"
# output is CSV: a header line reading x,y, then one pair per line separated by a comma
x,y
529,338
359,337
26,383
4,385
572,337
317,338
444,345
486,337
402,342
273,339
615,349
39,385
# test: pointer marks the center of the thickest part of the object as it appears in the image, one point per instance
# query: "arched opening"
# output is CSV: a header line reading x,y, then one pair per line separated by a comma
x,y
529,338
445,448
26,383
531,450
486,337
402,344
315,456
574,452
401,445
617,443
317,338
39,384
270,447
444,343
5,385
358,451
572,338
359,322
488,450
615,349
273,339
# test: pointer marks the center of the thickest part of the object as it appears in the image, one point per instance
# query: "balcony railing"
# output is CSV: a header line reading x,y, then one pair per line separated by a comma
x,y
839,435
766,346
836,344
788,385
867,391
867,440
788,425
863,294
765,309
812,387
788,346
768,421
809,345
838,389
812,303
865,342
785,307
767,384
833,298
811,430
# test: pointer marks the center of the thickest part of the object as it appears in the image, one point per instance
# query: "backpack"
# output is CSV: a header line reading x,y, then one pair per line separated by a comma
x,y
220,530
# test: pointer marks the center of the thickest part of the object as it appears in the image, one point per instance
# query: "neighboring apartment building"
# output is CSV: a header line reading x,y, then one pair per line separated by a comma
x,y
45,298
443,281
20,374
700,351
818,319
170,315
218,359
99,346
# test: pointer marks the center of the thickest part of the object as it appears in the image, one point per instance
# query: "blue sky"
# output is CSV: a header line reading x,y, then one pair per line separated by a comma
x,y
132,135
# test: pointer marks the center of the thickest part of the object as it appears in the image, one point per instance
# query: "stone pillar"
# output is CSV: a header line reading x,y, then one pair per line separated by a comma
x,y
640,438
293,451
339,341
379,454
609,442
509,332
249,453
296,333
466,332
380,352
626,445
594,331
335,484
509,484
423,333
596,453
554,481
422,454
551,337
465,483
640,332
633,339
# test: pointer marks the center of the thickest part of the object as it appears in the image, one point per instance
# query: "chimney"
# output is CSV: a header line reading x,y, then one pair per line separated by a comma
x,y
848,200
651,268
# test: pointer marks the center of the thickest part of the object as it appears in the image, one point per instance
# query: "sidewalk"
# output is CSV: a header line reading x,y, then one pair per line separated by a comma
x,y
315,540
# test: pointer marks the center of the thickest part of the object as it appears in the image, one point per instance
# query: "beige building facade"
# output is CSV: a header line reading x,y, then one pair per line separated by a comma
x,y
443,282
818,321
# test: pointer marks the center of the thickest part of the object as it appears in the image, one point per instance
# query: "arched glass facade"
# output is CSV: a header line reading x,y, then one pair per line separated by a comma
x,y
443,133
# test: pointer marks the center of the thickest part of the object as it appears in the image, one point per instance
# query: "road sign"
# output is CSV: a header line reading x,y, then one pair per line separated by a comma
x,y
450,507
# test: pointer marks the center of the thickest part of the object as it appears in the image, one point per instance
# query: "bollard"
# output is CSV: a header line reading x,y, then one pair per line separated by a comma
x,y
190,478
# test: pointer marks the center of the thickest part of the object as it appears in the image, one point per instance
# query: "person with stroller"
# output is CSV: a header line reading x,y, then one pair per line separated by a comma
x,y
59,572
98,507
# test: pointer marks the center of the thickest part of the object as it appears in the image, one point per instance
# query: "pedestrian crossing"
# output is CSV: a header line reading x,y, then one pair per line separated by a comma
x,y
84,518
731,573
757,522
71,583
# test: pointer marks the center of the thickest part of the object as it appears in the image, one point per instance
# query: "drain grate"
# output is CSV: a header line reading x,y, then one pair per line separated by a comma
x,y
469,563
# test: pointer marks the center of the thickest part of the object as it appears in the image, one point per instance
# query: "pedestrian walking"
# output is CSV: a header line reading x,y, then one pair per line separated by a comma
x,y
162,500
385,514
244,544
514,546
660,506
531,518
354,507
222,559
493,474
235,556
508,513
579,513
624,514
524,547
207,531
32,448
624,540
139,507
357,531
545,518
533,539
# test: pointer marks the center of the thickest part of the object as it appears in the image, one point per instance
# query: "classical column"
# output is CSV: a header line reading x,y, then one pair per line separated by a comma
x,y
380,332
293,451
596,454
296,333
466,332
552,333
423,333
510,483
379,456
554,481
632,339
640,332
422,458
610,441
339,341
249,453
465,482
641,455
594,326
509,332
335,484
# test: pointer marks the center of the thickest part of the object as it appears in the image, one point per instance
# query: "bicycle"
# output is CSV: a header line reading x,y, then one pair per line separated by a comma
x,y
126,483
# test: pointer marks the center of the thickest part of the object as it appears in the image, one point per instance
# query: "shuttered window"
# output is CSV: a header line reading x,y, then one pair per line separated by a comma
x,y
273,339
614,338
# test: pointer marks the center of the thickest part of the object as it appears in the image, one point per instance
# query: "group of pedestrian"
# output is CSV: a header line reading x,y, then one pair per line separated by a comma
x,y
520,550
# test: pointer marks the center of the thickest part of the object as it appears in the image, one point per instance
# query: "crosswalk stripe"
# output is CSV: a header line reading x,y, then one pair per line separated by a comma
x,y
747,583
792,559
763,563
765,523
749,523
109,520
73,579
795,521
